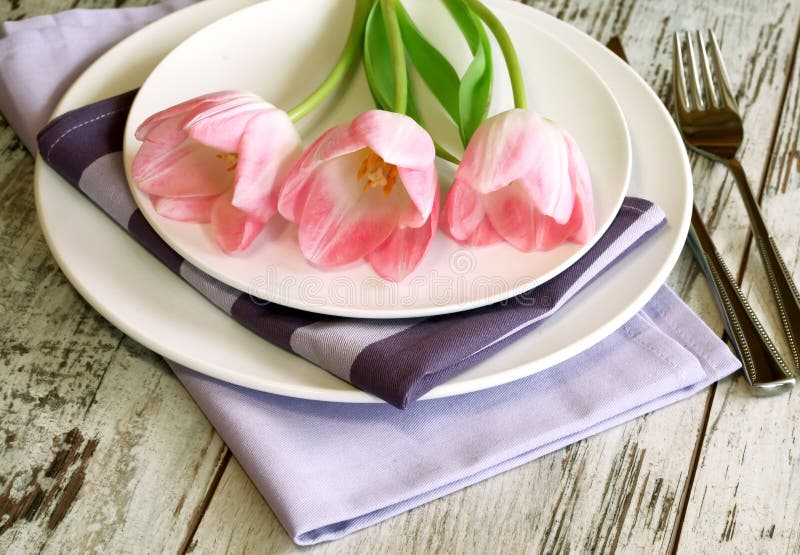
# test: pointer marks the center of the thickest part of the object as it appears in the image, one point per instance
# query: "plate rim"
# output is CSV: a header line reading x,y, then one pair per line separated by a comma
x,y
345,392
330,308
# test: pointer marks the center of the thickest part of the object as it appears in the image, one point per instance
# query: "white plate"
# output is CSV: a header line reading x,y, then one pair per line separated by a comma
x,y
153,306
277,51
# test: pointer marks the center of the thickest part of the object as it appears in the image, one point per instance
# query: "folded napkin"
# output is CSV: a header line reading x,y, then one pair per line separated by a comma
x,y
49,52
397,360
328,469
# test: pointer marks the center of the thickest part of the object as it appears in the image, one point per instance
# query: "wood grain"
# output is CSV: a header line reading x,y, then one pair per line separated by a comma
x,y
14,10
101,449
101,445
747,478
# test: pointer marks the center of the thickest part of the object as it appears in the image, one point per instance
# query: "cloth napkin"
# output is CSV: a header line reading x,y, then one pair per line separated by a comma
x,y
397,360
49,52
328,469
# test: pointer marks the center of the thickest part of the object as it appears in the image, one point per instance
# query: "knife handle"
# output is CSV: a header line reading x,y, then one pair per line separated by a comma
x,y
764,368
783,288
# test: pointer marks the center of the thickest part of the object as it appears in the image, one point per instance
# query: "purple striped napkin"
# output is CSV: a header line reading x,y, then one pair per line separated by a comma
x,y
396,360
329,469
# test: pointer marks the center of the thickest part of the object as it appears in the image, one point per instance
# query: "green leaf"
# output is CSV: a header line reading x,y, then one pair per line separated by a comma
x,y
411,109
378,66
465,21
434,69
475,92
377,59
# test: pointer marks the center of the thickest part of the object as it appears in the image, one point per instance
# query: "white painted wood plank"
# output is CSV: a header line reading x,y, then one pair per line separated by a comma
x,y
748,478
101,448
99,444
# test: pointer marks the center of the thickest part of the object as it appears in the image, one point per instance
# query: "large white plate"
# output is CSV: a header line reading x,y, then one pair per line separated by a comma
x,y
155,307
277,51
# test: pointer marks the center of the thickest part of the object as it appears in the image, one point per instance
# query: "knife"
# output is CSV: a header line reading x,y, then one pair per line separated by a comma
x,y
764,368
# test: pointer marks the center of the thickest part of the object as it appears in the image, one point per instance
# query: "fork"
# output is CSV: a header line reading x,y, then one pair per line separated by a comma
x,y
710,124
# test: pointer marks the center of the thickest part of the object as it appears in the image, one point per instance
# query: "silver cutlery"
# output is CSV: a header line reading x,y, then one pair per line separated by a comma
x,y
764,368
710,124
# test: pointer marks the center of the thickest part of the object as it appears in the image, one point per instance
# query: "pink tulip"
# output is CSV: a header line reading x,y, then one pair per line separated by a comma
x,y
217,158
367,189
522,180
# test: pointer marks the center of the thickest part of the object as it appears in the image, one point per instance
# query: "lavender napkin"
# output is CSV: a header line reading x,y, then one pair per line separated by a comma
x,y
301,454
51,51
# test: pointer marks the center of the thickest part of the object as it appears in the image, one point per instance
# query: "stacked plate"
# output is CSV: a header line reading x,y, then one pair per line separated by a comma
x,y
279,51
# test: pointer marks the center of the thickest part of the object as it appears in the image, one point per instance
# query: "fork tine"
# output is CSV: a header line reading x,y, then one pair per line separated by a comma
x,y
697,94
726,92
679,79
706,71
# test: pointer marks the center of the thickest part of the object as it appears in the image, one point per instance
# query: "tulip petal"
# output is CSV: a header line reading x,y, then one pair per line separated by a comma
x,y
189,106
422,187
186,209
464,208
512,212
519,145
582,223
548,179
269,146
293,194
396,138
402,252
514,215
581,226
501,150
340,223
187,170
483,236
339,141
233,229
549,233
169,163
167,133
222,129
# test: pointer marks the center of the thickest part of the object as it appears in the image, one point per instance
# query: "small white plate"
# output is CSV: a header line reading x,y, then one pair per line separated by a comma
x,y
158,309
277,51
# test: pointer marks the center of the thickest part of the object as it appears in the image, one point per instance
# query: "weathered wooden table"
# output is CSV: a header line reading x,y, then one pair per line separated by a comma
x,y
102,449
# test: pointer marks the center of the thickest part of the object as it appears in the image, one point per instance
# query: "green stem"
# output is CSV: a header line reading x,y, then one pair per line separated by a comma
x,y
506,47
398,56
348,56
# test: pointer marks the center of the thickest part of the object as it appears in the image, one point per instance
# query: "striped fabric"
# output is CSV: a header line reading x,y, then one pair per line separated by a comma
x,y
396,360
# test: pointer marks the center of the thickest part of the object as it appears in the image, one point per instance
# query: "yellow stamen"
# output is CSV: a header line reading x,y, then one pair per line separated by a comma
x,y
230,159
377,173
391,179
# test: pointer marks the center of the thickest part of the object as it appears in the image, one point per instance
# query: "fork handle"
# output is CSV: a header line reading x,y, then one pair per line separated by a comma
x,y
763,366
778,275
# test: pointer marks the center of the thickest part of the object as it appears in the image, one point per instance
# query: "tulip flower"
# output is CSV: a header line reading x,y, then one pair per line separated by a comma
x,y
219,159
522,180
367,189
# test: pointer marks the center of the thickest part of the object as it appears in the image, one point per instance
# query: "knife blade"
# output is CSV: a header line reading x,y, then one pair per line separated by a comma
x,y
764,368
